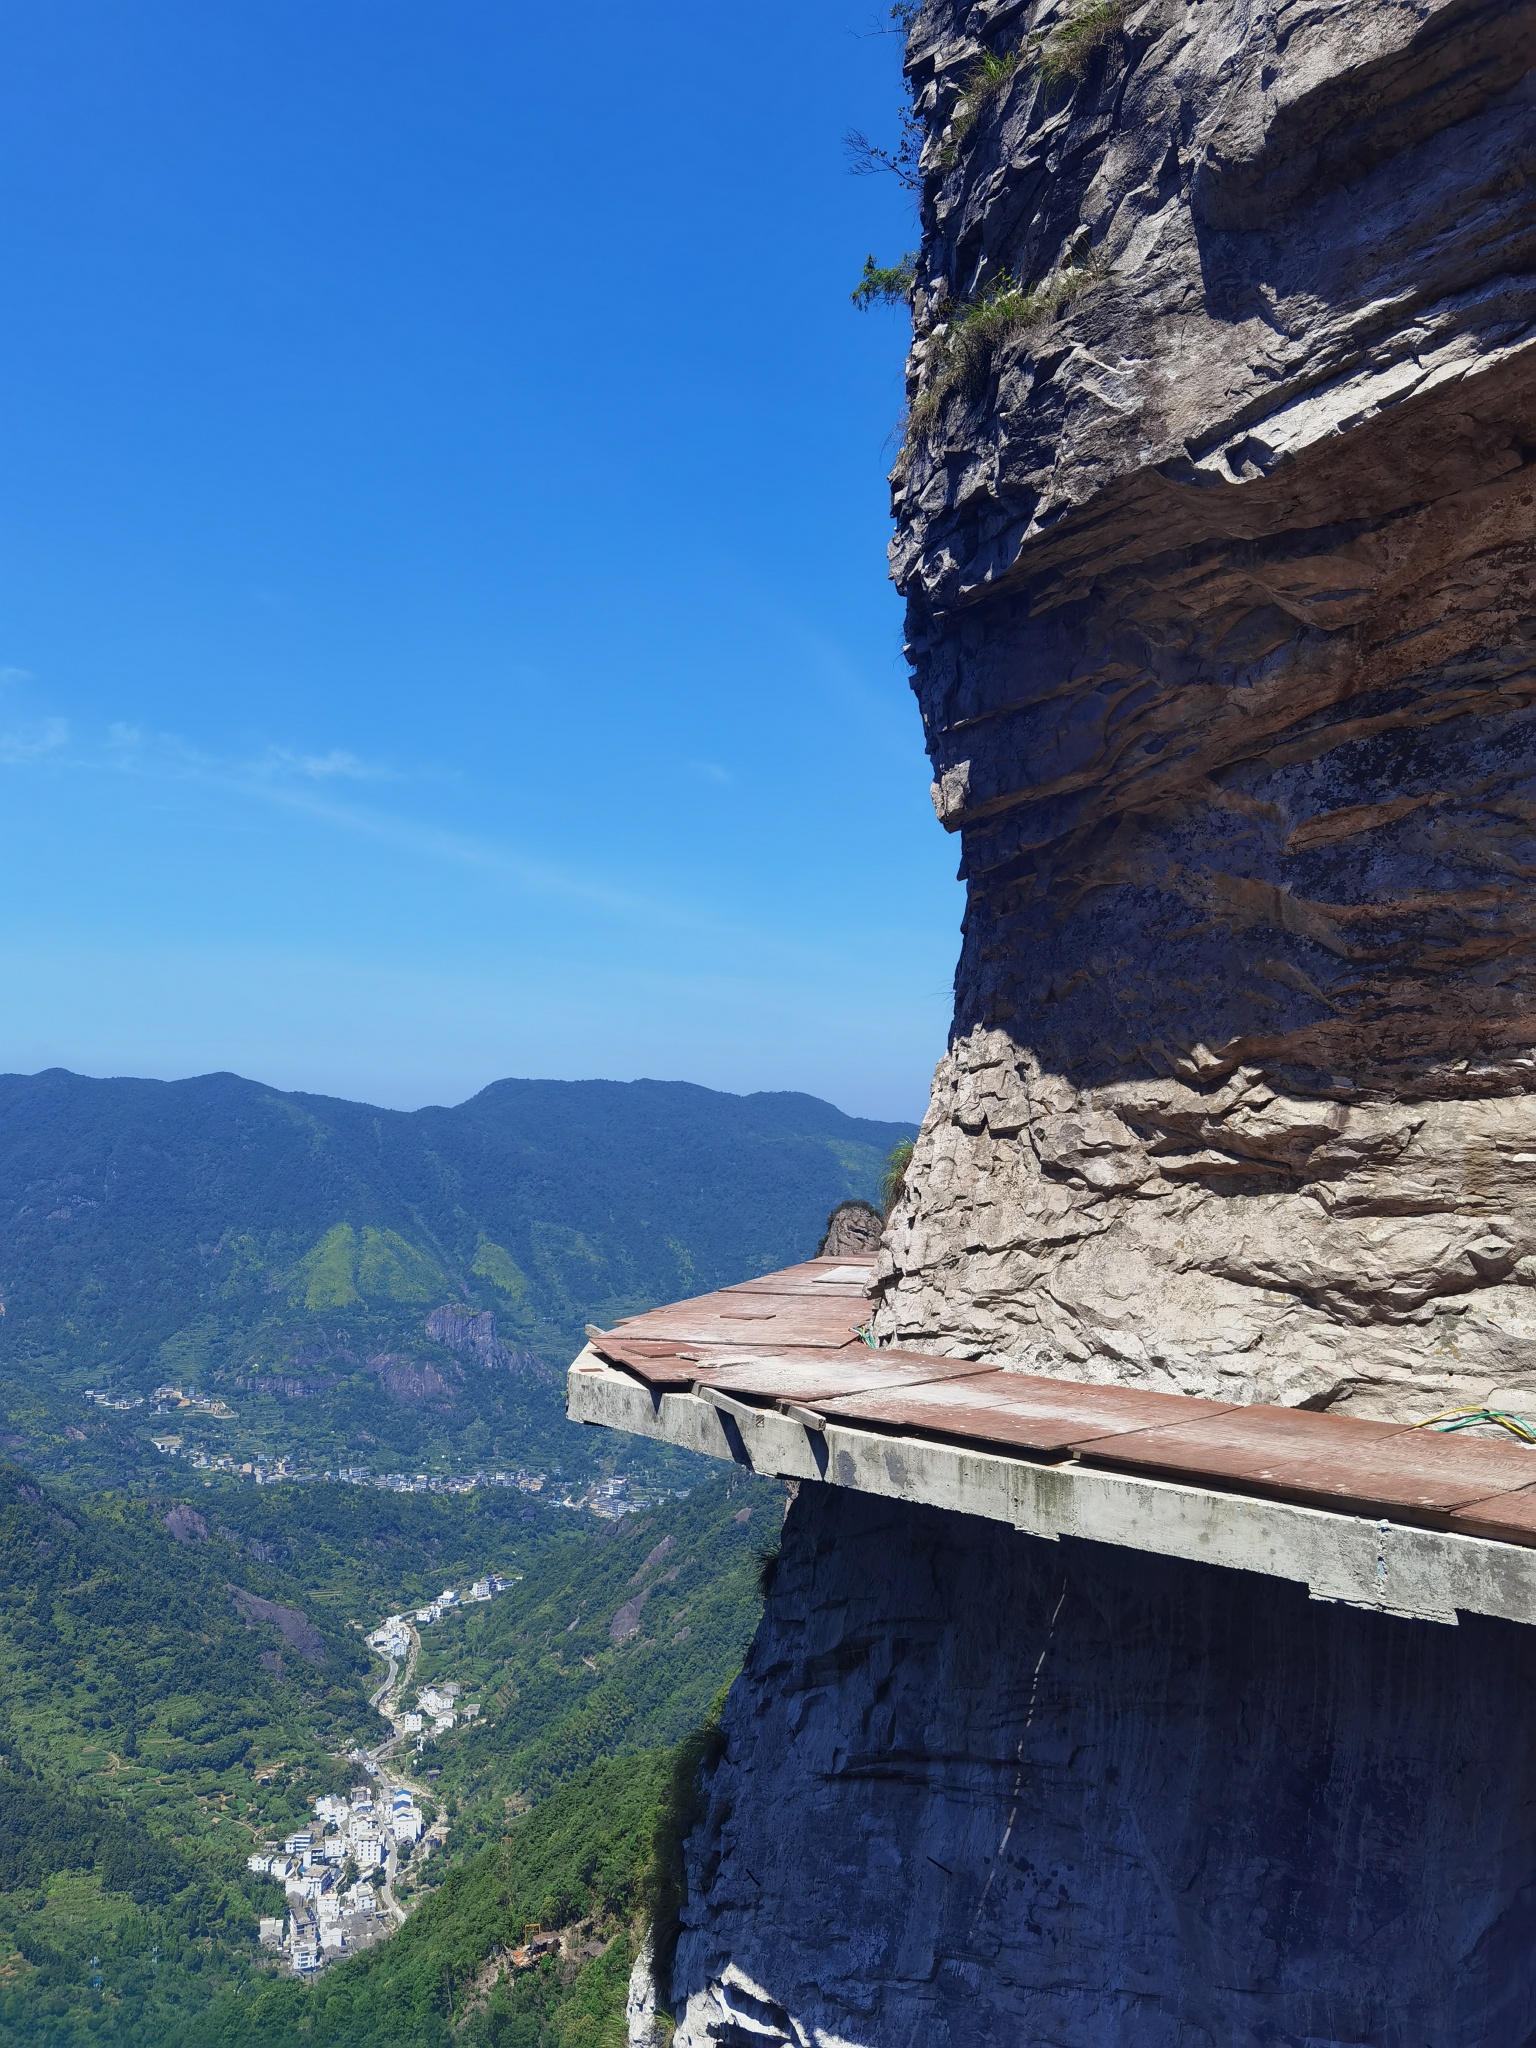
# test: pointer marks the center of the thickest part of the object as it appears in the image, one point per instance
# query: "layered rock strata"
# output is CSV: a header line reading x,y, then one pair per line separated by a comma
x,y
982,1789
1216,531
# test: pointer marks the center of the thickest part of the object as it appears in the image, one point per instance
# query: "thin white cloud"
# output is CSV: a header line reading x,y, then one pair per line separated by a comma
x,y
529,877
11,677
28,743
338,763
130,747
711,771
312,786
293,781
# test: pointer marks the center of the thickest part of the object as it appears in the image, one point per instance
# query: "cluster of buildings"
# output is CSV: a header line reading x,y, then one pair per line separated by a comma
x,y
606,1499
441,1706
274,1471
482,1589
438,1708
326,1916
167,1399
392,1637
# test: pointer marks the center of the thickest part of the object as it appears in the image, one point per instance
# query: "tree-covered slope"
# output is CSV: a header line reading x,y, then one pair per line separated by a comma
x,y
285,1253
150,1730
143,1652
157,1723
581,1861
620,1645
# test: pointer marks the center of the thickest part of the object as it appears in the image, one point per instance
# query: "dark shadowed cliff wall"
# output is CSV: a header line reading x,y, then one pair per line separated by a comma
x,y
983,1791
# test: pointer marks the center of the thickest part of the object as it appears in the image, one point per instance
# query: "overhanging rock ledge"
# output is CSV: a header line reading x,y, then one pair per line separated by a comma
x,y
1222,618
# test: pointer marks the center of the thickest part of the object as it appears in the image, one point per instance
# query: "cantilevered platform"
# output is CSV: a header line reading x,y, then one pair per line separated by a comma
x,y
775,1375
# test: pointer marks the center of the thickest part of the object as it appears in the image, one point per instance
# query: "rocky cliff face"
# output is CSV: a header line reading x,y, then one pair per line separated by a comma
x,y
1216,531
981,1789
1215,525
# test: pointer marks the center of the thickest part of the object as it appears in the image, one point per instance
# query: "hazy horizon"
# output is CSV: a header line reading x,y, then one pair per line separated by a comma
x,y
457,1102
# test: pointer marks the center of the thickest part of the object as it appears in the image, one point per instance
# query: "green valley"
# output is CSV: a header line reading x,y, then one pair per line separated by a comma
x,y
246,1275
209,1275
180,1682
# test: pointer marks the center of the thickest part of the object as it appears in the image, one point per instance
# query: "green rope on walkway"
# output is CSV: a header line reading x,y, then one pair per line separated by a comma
x,y
1451,1419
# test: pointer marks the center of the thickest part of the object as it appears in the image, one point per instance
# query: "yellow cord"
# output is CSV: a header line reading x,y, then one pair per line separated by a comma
x,y
1513,1423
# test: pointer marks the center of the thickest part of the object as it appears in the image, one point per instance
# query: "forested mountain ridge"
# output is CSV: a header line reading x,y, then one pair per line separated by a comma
x,y
284,1252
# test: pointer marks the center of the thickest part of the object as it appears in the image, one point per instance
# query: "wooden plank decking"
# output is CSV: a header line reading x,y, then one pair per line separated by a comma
x,y
792,1343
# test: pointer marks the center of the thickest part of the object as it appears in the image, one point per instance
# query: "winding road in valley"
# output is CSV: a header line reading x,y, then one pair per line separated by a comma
x,y
387,1774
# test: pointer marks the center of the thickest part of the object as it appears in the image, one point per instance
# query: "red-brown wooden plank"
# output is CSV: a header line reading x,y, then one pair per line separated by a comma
x,y
649,1355
1506,1517
768,1376
1018,1411
1337,1461
659,1366
788,1324
852,1277
810,1290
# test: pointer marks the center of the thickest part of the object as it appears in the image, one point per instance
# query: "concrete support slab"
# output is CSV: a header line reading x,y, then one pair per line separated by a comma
x,y
1425,1574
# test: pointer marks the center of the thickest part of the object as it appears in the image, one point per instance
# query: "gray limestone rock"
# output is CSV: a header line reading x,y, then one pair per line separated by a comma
x,y
643,2023
853,1227
1215,525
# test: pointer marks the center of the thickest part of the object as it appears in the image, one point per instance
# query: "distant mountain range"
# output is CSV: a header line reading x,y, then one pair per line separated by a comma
x,y
341,1283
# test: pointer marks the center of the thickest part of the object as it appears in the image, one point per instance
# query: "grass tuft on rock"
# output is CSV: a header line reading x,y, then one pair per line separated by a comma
x,y
962,360
1059,53
1067,49
985,84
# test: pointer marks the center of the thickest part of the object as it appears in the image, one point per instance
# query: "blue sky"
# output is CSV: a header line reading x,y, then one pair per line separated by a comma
x,y
444,630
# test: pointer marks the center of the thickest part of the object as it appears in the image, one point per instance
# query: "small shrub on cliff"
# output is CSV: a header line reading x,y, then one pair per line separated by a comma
x,y
894,1178
885,285
868,159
